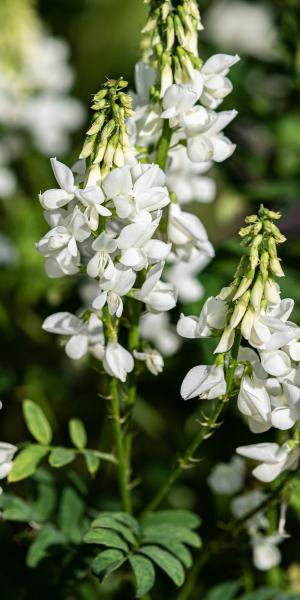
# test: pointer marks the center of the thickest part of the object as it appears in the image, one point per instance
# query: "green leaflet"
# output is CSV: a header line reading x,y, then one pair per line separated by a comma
x,y
168,563
224,591
144,573
37,423
105,537
15,509
123,518
183,518
59,457
108,522
46,537
92,461
26,462
155,533
106,562
77,433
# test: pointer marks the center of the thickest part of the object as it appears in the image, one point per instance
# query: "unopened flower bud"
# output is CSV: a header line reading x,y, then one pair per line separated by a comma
x,y
97,124
227,293
100,151
166,74
88,146
264,263
251,219
165,9
275,267
226,341
170,33
239,310
107,130
245,284
271,291
178,74
179,30
272,247
99,105
119,156
94,175
257,293
110,150
247,322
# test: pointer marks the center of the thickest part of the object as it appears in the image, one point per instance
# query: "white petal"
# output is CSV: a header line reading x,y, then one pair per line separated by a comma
x,y
77,346
53,199
63,175
276,362
266,451
63,323
282,418
117,182
219,63
187,327
192,382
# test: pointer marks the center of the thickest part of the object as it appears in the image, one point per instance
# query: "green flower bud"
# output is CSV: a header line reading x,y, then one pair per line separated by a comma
x,y
264,264
88,146
179,30
170,31
245,284
257,292
239,310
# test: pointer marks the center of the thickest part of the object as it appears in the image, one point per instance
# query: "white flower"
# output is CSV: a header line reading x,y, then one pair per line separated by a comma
x,y
85,336
276,362
186,232
205,140
244,504
274,459
112,290
7,452
101,264
91,196
211,320
153,359
207,382
254,402
271,330
179,98
185,276
227,478
157,295
266,555
157,329
230,24
216,85
59,245
136,189
136,245
186,178
117,361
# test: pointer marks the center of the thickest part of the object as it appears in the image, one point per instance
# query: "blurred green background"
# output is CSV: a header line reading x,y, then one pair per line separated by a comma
x,y
104,39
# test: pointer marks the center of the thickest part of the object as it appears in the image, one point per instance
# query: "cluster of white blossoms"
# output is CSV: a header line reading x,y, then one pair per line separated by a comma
x,y
228,479
265,373
176,98
117,217
35,80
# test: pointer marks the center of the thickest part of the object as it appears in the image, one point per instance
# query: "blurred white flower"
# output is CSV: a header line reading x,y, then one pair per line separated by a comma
x,y
228,478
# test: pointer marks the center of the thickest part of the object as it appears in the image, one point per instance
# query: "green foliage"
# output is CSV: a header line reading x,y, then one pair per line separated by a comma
x,y
60,457
37,423
26,462
47,537
224,591
160,539
77,433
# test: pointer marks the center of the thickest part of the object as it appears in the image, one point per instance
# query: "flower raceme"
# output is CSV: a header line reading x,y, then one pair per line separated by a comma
x,y
263,374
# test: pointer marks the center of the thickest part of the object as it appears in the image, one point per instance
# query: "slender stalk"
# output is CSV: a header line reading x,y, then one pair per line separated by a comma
x,y
123,466
163,145
206,430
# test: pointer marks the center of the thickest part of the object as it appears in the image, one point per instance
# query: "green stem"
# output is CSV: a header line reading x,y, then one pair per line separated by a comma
x,y
163,145
206,430
123,464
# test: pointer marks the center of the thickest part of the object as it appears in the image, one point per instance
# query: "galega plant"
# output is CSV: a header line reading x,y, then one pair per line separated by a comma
x,y
116,220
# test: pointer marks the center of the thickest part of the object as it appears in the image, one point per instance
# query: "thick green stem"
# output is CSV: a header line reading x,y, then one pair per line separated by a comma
x,y
163,145
123,463
206,430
